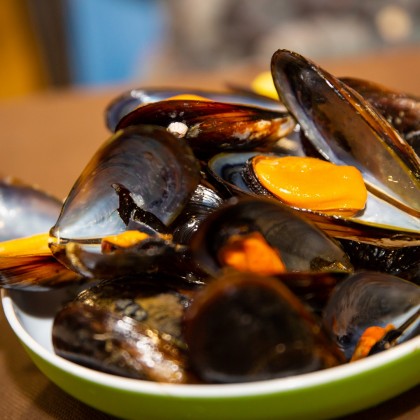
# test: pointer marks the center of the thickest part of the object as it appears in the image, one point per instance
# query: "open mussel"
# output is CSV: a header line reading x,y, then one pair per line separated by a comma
x,y
378,219
367,302
346,129
400,109
307,183
257,234
26,262
245,327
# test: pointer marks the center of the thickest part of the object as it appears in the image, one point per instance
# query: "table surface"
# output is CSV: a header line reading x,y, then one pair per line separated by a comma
x,y
48,138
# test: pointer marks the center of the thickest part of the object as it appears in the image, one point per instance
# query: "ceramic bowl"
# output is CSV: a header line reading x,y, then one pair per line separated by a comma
x,y
324,394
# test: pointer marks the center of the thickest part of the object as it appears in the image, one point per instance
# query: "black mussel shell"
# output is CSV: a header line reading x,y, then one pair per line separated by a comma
x,y
315,288
129,327
158,299
301,245
101,340
400,261
128,101
141,178
211,127
368,299
202,203
243,327
25,210
346,129
400,109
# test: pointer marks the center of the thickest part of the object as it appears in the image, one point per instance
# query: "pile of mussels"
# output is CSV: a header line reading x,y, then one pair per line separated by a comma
x,y
229,237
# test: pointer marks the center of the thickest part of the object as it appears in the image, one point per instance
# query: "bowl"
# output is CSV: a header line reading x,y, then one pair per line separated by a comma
x,y
324,394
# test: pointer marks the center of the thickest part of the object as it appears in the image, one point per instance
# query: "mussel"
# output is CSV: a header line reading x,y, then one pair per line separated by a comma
x,y
372,299
210,127
128,101
245,327
239,173
26,262
129,328
142,172
257,234
346,129
140,180
25,210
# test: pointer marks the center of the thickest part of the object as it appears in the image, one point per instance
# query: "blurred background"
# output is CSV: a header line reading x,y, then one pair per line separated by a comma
x,y
47,44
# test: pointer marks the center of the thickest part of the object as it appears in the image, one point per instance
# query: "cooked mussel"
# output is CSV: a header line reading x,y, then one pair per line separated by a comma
x,y
25,210
140,180
372,299
308,183
129,327
209,127
381,225
346,129
26,213
245,327
128,101
400,109
379,222
27,263
257,234
140,172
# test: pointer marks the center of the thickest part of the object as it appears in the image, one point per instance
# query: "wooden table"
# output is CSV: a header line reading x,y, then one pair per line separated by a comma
x,y
47,139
